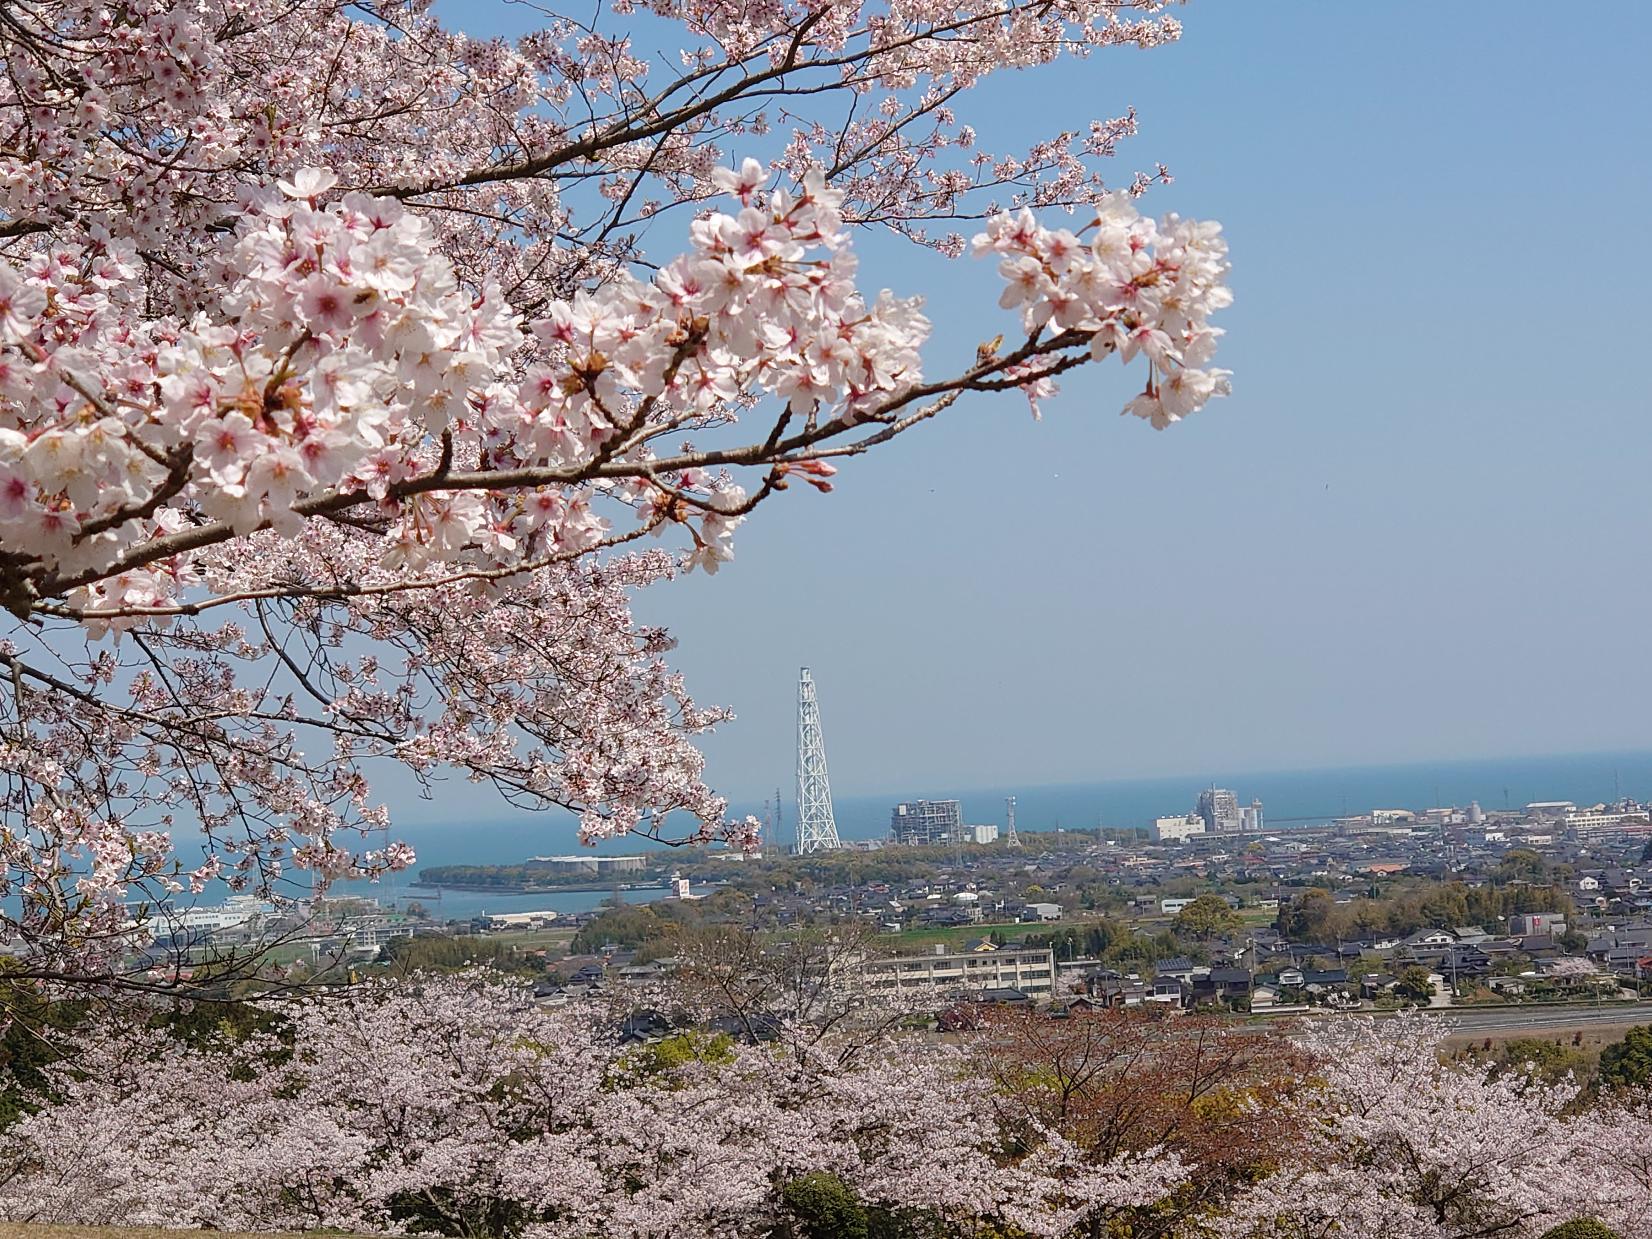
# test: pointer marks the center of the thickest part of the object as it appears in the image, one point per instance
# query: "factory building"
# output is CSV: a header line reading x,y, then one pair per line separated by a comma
x,y
924,823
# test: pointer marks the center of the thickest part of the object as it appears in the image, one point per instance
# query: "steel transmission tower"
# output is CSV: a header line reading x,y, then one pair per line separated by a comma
x,y
1011,839
816,830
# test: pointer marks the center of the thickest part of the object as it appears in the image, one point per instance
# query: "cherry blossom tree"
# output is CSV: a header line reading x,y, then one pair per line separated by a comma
x,y
1400,1142
456,1105
354,372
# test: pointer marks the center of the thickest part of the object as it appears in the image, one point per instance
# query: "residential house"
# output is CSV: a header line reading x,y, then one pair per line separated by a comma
x,y
1324,980
1179,967
1222,985
1119,993
1429,937
1170,991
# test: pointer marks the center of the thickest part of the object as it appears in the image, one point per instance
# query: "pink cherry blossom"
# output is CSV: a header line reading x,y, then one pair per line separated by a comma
x,y
461,1093
457,1104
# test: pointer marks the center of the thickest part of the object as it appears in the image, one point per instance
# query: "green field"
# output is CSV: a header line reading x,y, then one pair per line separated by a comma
x,y
955,935
554,939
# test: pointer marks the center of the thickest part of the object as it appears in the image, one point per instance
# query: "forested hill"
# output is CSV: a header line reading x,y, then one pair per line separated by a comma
x,y
526,876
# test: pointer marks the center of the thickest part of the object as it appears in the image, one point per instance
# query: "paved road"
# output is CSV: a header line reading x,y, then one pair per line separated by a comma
x,y
1477,1020
1470,1021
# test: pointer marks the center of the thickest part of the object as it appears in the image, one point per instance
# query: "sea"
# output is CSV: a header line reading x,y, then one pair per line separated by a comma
x,y
1291,799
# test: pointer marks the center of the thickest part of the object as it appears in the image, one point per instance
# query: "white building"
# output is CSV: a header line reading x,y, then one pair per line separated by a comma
x,y
589,864
1177,829
981,834
1587,821
522,920
1031,972
198,922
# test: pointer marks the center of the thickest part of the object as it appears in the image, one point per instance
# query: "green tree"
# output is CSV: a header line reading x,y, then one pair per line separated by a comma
x,y
1582,1228
1308,915
1208,916
1413,983
1522,865
30,1037
679,1049
429,953
1549,1061
1628,1063
823,1207
625,925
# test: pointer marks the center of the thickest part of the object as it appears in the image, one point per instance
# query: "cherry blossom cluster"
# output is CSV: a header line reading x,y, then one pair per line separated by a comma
x,y
150,116
1133,286
344,348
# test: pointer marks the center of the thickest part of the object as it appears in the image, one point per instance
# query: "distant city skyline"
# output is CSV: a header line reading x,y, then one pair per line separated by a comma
x,y
1497,783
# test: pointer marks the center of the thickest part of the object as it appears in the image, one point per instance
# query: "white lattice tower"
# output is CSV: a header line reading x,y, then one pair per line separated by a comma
x,y
1011,839
816,829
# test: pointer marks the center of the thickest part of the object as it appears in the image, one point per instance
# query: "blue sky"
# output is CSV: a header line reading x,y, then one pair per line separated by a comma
x,y
1416,531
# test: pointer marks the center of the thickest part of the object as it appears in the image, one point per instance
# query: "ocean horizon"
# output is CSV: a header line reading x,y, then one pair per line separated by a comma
x,y
1289,797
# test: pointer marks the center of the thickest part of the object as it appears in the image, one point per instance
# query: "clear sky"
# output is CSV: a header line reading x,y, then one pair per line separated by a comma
x,y
1417,530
